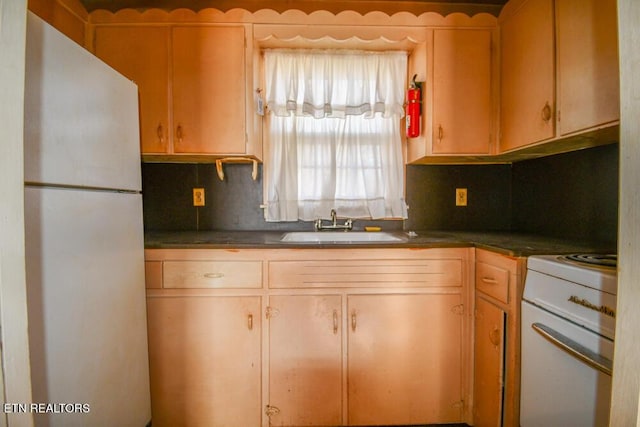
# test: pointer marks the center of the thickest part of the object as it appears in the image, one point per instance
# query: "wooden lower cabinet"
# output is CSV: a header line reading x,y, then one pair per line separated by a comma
x,y
204,360
489,366
404,359
498,285
329,338
305,360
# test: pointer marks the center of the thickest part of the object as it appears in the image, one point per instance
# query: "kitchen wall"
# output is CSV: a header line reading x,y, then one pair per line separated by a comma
x,y
572,195
232,204
431,191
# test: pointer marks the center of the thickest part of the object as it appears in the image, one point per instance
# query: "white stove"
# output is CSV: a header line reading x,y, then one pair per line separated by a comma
x,y
568,327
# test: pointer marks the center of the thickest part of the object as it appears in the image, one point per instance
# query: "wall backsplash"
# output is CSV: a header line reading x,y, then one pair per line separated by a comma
x,y
431,191
572,195
232,204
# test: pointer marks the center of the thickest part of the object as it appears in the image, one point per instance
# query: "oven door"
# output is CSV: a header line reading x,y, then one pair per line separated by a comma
x,y
561,387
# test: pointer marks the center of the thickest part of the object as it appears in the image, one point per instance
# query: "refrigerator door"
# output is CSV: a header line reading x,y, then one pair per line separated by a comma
x,y
81,116
87,314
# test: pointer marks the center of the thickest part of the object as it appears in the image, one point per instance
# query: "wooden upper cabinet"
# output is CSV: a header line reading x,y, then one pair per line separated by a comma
x,y
192,84
462,92
141,53
208,95
588,73
527,101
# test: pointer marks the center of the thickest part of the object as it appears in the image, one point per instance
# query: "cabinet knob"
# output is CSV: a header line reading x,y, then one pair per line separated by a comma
x,y
354,321
335,322
160,133
494,336
440,133
179,133
546,112
250,322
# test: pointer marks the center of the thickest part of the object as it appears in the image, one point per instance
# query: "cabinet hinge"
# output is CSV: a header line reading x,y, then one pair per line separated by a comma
x,y
271,410
271,312
458,309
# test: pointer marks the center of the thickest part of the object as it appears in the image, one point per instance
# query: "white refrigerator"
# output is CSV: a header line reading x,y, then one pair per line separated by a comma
x,y
84,238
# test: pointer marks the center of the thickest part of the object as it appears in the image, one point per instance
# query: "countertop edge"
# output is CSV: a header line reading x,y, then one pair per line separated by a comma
x,y
510,244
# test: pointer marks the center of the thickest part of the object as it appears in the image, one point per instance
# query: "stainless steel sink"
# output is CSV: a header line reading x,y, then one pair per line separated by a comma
x,y
339,237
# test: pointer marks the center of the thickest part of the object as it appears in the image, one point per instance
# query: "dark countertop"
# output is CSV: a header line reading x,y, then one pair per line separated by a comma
x,y
513,244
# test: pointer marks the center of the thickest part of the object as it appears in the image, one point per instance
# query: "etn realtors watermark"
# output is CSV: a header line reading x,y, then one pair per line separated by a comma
x,y
46,408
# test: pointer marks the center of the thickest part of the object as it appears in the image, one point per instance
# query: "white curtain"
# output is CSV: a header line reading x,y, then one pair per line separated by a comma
x,y
334,134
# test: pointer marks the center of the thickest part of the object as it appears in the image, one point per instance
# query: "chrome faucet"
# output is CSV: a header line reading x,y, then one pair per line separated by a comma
x,y
319,226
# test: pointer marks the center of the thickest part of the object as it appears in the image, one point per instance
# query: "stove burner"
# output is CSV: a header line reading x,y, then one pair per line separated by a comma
x,y
600,260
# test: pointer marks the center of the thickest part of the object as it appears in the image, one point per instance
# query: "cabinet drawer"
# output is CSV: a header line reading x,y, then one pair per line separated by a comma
x,y
212,274
493,281
365,273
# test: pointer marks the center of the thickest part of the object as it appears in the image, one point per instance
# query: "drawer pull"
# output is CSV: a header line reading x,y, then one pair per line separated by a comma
x,y
489,280
214,275
250,322
354,321
335,322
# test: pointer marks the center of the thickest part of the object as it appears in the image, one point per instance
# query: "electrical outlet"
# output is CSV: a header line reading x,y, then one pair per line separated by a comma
x,y
198,197
461,197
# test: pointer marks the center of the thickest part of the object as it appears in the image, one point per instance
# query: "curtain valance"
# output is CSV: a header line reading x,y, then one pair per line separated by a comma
x,y
332,83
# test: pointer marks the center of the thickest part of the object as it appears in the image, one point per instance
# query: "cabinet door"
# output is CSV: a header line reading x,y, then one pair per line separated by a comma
x,y
404,359
204,360
141,54
527,75
488,366
462,92
208,66
588,74
305,360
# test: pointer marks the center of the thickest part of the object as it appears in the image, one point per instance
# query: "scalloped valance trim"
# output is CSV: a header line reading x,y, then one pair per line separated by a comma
x,y
293,16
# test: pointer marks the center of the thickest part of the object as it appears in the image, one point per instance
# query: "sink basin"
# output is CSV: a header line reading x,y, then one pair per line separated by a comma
x,y
339,237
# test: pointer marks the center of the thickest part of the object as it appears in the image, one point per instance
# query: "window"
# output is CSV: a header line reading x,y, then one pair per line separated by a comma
x,y
334,134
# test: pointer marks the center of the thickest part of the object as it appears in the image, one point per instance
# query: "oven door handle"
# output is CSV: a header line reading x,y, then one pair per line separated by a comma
x,y
575,349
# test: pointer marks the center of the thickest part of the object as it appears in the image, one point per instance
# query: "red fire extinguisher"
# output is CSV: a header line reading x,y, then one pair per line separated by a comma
x,y
414,108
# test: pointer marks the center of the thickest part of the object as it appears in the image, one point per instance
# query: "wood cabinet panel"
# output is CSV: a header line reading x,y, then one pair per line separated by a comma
x,y
365,273
212,274
527,101
204,359
588,74
141,53
192,84
305,360
208,96
404,364
497,339
153,274
493,280
489,364
401,359
462,92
